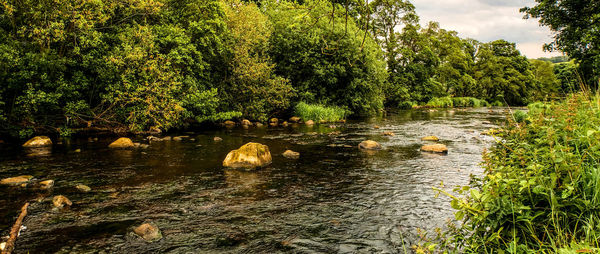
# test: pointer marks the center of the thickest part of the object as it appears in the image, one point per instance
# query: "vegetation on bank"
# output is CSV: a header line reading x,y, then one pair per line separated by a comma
x,y
320,113
541,189
167,64
457,102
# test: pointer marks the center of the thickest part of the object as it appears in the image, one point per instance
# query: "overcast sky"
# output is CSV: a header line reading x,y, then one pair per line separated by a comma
x,y
488,20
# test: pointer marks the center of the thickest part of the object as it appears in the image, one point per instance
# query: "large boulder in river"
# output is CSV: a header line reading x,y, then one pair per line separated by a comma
x,y
436,148
17,180
369,145
39,141
148,232
122,143
249,156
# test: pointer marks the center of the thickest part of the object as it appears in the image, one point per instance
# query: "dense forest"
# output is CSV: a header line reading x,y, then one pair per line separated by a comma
x,y
147,64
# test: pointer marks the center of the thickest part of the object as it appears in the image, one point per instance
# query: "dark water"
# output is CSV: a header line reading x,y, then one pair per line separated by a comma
x,y
334,199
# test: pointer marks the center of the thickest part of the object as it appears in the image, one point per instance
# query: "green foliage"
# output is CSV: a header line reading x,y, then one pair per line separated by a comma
x,y
327,61
577,29
441,102
541,188
319,112
519,116
547,85
457,102
407,104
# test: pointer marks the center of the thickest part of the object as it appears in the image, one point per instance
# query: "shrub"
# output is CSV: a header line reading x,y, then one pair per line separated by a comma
x,y
406,104
541,189
441,102
319,113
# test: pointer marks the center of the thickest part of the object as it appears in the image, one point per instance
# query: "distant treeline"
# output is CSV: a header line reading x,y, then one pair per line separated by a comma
x,y
136,65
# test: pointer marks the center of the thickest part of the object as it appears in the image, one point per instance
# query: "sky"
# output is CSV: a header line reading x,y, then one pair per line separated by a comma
x,y
488,20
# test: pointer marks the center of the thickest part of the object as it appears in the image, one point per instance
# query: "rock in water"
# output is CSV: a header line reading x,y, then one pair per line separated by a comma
x,y
122,143
246,122
217,139
274,120
369,145
229,123
249,156
310,122
430,138
148,232
83,188
39,141
436,148
294,119
389,133
61,201
291,154
46,184
16,180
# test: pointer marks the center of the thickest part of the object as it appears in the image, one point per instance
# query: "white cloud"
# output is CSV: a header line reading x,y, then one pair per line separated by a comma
x,y
488,20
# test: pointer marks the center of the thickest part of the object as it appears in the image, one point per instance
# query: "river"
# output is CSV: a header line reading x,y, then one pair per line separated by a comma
x,y
334,199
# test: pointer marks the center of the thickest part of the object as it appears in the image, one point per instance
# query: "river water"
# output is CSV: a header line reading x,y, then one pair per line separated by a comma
x,y
334,199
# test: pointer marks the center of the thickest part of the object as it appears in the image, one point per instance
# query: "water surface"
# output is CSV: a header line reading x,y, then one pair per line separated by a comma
x,y
334,199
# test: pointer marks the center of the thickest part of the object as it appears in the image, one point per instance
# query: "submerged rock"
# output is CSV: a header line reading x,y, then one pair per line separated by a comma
x,y
388,133
39,141
430,138
369,145
148,232
17,180
177,139
291,154
61,201
83,188
122,143
217,139
259,124
249,156
436,148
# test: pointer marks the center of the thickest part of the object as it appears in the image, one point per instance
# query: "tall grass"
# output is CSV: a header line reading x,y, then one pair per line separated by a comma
x,y
319,112
541,189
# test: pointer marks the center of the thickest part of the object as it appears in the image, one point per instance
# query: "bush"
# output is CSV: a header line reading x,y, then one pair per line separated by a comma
x,y
406,104
320,113
497,104
441,102
541,188
537,108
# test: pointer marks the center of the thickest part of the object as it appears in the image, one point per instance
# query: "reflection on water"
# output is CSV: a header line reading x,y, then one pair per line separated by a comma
x,y
335,198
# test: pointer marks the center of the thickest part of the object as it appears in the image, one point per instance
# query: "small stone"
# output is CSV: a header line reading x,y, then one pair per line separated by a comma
x,y
436,148
376,126
369,145
121,143
153,138
39,141
144,146
430,138
284,124
136,145
246,122
259,124
148,232
217,139
274,120
177,139
229,123
389,133
83,188
16,180
291,154
294,119
47,184
273,124
78,150
332,126
167,138
310,122
61,201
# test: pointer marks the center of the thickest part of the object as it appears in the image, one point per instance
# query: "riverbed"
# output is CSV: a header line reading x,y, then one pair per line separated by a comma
x,y
334,199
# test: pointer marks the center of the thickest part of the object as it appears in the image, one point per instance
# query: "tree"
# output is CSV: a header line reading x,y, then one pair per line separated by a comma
x,y
577,27
547,85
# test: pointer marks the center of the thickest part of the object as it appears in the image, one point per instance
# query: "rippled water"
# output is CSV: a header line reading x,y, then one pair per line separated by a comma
x,y
334,199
